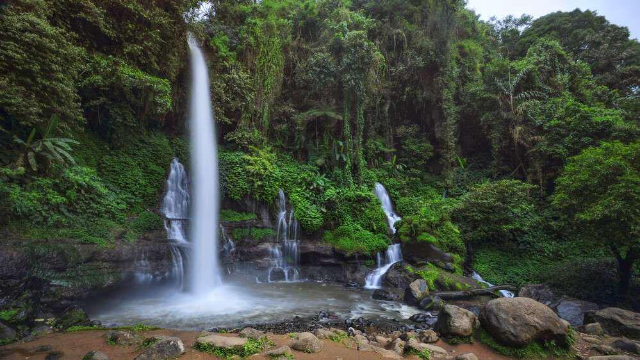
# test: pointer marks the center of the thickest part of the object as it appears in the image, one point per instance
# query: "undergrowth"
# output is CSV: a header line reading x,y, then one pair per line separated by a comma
x,y
251,347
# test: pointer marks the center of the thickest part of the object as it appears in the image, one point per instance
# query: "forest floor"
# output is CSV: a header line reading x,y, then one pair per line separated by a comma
x,y
74,345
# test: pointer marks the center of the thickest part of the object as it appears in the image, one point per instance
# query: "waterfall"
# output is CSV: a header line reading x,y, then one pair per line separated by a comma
x,y
387,206
392,256
175,208
205,270
504,293
284,256
394,252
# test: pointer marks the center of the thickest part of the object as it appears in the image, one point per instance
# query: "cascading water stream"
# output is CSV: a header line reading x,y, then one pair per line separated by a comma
x,y
284,256
504,293
394,252
205,269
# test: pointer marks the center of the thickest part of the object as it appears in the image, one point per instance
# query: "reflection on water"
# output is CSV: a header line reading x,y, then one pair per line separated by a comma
x,y
237,304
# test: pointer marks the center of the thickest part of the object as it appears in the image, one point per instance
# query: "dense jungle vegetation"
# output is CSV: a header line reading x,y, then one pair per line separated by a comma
x,y
513,144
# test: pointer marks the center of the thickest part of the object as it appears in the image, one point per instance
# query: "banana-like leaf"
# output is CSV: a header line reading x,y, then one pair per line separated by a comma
x,y
31,136
68,156
32,160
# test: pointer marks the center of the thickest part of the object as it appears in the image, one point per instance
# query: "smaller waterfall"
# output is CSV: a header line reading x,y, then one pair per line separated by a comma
x,y
229,246
175,208
392,256
387,206
284,256
504,293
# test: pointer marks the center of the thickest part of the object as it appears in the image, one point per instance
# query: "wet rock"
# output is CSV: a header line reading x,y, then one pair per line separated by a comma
x,y
519,321
307,342
6,332
397,346
627,345
432,302
468,356
55,355
124,338
42,330
428,336
251,333
594,329
456,321
220,341
380,294
165,347
416,291
617,322
95,355
283,351
418,252
74,316
538,292
573,310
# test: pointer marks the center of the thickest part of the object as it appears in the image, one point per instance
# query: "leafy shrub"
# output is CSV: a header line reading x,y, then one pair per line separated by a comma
x,y
234,216
252,347
253,233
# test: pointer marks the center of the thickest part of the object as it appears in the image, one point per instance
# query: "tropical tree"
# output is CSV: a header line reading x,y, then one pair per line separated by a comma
x,y
600,191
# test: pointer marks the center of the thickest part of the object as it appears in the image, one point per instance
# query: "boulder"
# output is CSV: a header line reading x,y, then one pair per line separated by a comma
x,y
251,333
307,342
74,316
124,338
538,292
220,341
397,280
414,344
605,350
627,345
283,351
573,310
611,357
322,333
397,346
416,291
431,302
361,339
421,253
519,321
456,321
467,356
95,355
6,332
42,330
593,329
54,355
383,341
164,347
617,322
428,336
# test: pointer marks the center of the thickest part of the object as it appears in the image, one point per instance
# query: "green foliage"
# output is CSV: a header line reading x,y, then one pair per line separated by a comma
x,y
234,216
339,336
252,347
253,233
8,314
354,239
144,222
533,350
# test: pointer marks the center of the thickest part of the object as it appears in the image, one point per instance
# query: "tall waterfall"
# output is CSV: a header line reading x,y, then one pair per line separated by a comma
x,y
285,256
387,206
205,269
394,252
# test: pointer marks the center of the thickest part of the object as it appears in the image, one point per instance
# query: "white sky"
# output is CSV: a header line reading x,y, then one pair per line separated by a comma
x,y
620,12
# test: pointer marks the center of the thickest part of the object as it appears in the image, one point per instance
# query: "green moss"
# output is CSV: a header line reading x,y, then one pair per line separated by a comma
x,y
253,233
8,315
252,347
145,222
80,328
353,239
234,216
338,336
534,350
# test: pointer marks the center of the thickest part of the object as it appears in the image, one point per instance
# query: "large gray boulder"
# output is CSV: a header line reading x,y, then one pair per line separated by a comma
x,y
616,321
416,291
251,333
219,341
520,321
123,338
307,342
538,292
163,347
6,332
573,310
456,321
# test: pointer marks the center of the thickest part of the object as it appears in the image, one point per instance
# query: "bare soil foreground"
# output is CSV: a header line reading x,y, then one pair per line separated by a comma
x,y
75,345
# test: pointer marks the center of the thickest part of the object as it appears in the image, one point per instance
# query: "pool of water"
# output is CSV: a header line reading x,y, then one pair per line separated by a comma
x,y
236,304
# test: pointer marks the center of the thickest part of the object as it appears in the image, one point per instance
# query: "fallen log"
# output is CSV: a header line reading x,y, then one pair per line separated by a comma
x,y
490,291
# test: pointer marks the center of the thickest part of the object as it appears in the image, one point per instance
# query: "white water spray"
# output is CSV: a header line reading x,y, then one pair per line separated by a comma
x,y
392,256
205,270
285,262
387,206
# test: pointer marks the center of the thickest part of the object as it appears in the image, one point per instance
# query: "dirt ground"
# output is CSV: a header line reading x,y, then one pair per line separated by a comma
x,y
76,344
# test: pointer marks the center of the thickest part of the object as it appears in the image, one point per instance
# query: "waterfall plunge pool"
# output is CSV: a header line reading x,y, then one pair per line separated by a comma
x,y
237,304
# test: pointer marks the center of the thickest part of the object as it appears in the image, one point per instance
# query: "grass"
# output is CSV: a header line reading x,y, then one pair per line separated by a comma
x,y
253,233
534,350
424,355
338,336
234,216
251,347
9,314
135,328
